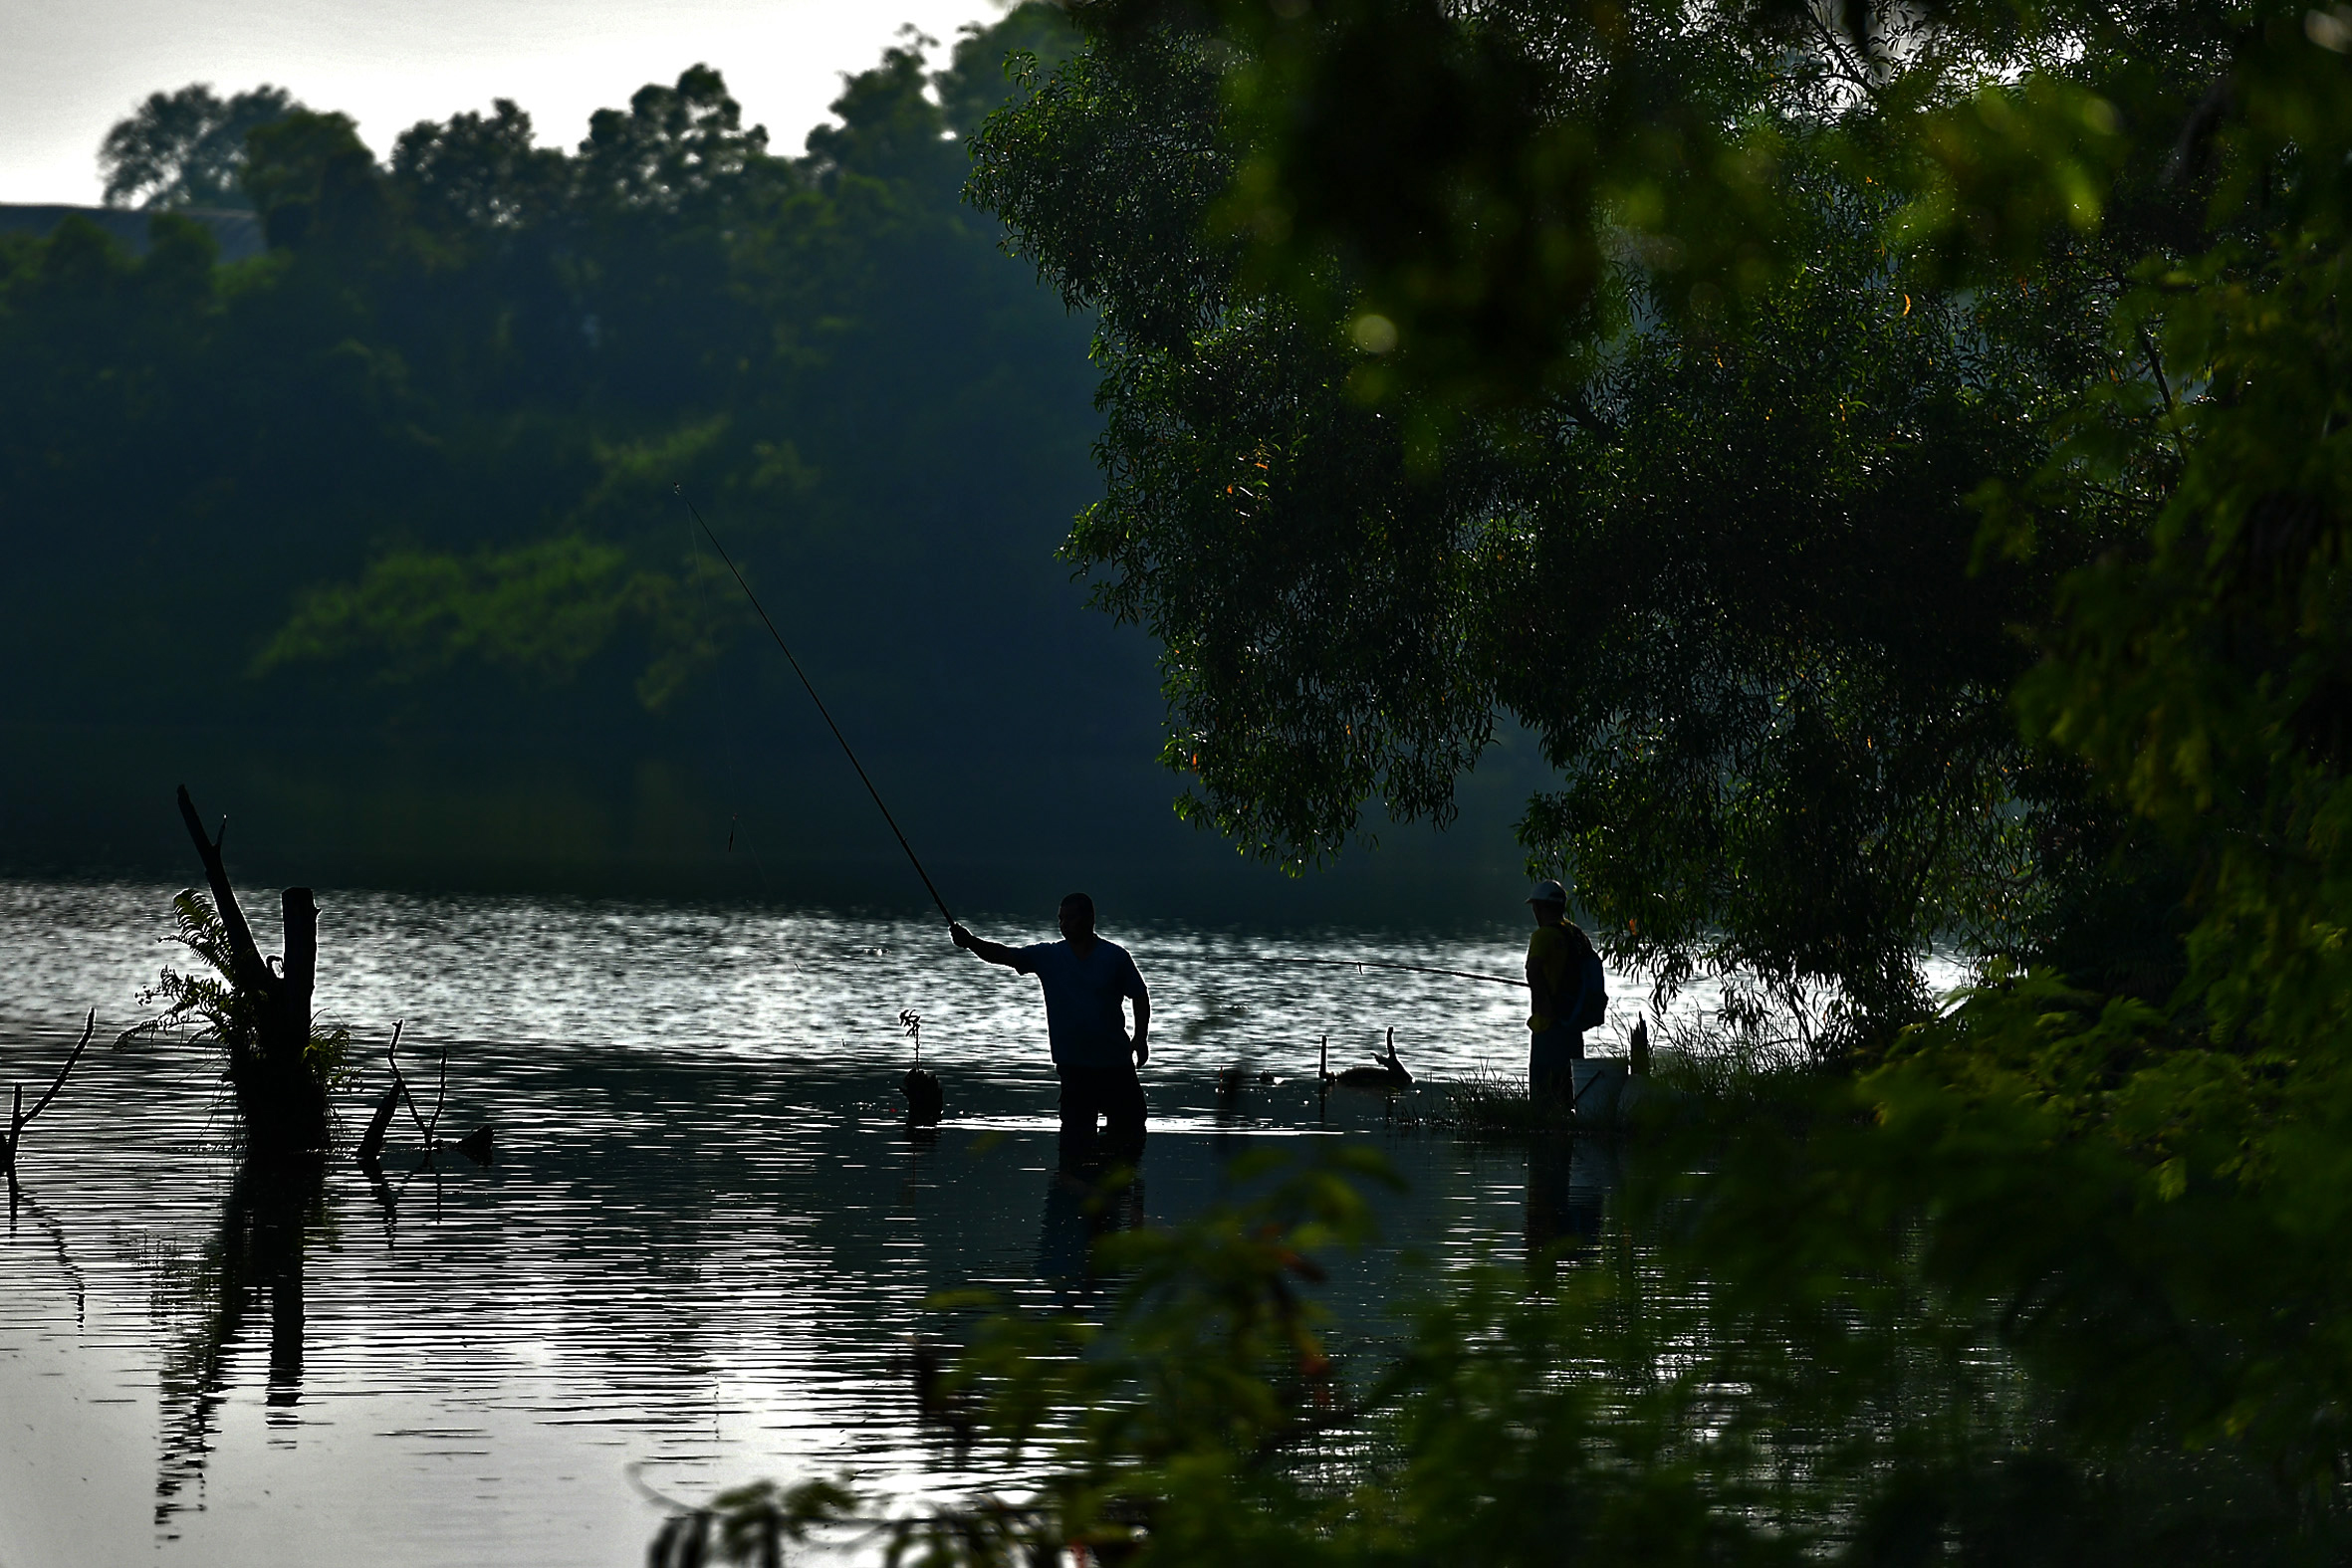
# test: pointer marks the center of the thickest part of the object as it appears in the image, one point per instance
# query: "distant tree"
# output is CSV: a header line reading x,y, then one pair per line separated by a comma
x,y
675,150
1031,37
308,167
887,127
479,173
187,148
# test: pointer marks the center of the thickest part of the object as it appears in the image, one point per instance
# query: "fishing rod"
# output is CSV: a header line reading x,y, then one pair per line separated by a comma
x,y
824,712
1415,968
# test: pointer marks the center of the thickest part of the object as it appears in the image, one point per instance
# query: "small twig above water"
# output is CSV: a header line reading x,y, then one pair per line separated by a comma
x,y
19,1118
424,1129
372,1145
475,1146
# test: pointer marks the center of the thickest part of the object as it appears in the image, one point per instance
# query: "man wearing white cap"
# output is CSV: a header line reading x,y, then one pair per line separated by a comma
x,y
1564,979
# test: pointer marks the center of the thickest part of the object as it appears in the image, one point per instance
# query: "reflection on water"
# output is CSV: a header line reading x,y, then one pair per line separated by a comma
x,y
702,1254
1077,1215
1568,1180
252,1263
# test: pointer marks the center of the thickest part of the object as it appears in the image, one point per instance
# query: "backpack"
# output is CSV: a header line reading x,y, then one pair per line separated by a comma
x,y
1592,994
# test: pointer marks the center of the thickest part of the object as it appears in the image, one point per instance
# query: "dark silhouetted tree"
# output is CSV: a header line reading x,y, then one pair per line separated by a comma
x,y
187,148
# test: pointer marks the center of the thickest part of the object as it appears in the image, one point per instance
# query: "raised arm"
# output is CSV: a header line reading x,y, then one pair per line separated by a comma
x,y
981,947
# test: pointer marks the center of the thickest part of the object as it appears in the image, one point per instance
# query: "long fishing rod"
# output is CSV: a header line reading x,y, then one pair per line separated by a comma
x,y
1416,968
823,711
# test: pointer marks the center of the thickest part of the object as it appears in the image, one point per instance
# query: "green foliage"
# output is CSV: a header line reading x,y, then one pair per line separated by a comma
x,y
2041,309
675,150
1966,364
212,1002
539,613
1725,397
748,1524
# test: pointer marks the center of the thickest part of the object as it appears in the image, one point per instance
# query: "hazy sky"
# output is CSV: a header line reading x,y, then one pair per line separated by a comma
x,y
69,68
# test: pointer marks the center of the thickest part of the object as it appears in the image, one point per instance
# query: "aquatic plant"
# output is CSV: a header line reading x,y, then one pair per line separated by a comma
x,y
1733,1055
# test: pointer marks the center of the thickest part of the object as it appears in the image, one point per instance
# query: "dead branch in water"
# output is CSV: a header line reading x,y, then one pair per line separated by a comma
x,y
371,1143
475,1146
19,1118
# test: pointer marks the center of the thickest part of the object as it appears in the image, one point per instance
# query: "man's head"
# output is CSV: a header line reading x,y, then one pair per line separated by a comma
x,y
1550,903
1077,915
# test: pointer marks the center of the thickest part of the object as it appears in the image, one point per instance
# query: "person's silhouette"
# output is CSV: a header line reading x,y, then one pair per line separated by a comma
x,y
1086,979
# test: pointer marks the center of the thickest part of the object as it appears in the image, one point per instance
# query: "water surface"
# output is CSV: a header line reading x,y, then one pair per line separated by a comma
x,y
703,1252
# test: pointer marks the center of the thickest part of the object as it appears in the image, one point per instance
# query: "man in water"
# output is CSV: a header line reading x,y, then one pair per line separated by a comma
x,y
1557,969
1084,977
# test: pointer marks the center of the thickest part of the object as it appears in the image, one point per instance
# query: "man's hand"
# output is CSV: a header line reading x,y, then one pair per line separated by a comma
x,y
1142,1051
982,948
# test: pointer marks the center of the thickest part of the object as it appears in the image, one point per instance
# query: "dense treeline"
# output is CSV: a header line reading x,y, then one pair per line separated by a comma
x,y
402,487
435,429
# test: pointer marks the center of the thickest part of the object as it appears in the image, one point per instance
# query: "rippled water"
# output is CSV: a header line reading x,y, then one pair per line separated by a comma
x,y
703,1247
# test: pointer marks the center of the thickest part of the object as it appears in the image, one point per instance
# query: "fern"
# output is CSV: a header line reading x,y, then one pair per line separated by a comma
x,y
215,1008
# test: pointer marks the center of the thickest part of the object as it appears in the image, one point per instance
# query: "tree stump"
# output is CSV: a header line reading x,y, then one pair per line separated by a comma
x,y
281,1099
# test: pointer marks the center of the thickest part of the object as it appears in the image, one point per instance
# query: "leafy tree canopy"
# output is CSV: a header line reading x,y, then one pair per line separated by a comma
x,y
1895,459
1732,397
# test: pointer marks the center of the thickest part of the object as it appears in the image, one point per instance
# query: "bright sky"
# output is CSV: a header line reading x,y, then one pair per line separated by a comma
x,y
69,68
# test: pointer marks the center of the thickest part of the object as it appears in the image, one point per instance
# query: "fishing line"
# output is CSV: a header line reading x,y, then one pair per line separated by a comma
x,y
821,710
738,771
1414,968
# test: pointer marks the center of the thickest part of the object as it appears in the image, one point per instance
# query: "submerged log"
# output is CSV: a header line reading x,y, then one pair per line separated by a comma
x,y
281,1098
371,1142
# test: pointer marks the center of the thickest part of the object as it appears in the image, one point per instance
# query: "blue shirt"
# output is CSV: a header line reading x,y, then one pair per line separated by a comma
x,y
1082,1015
